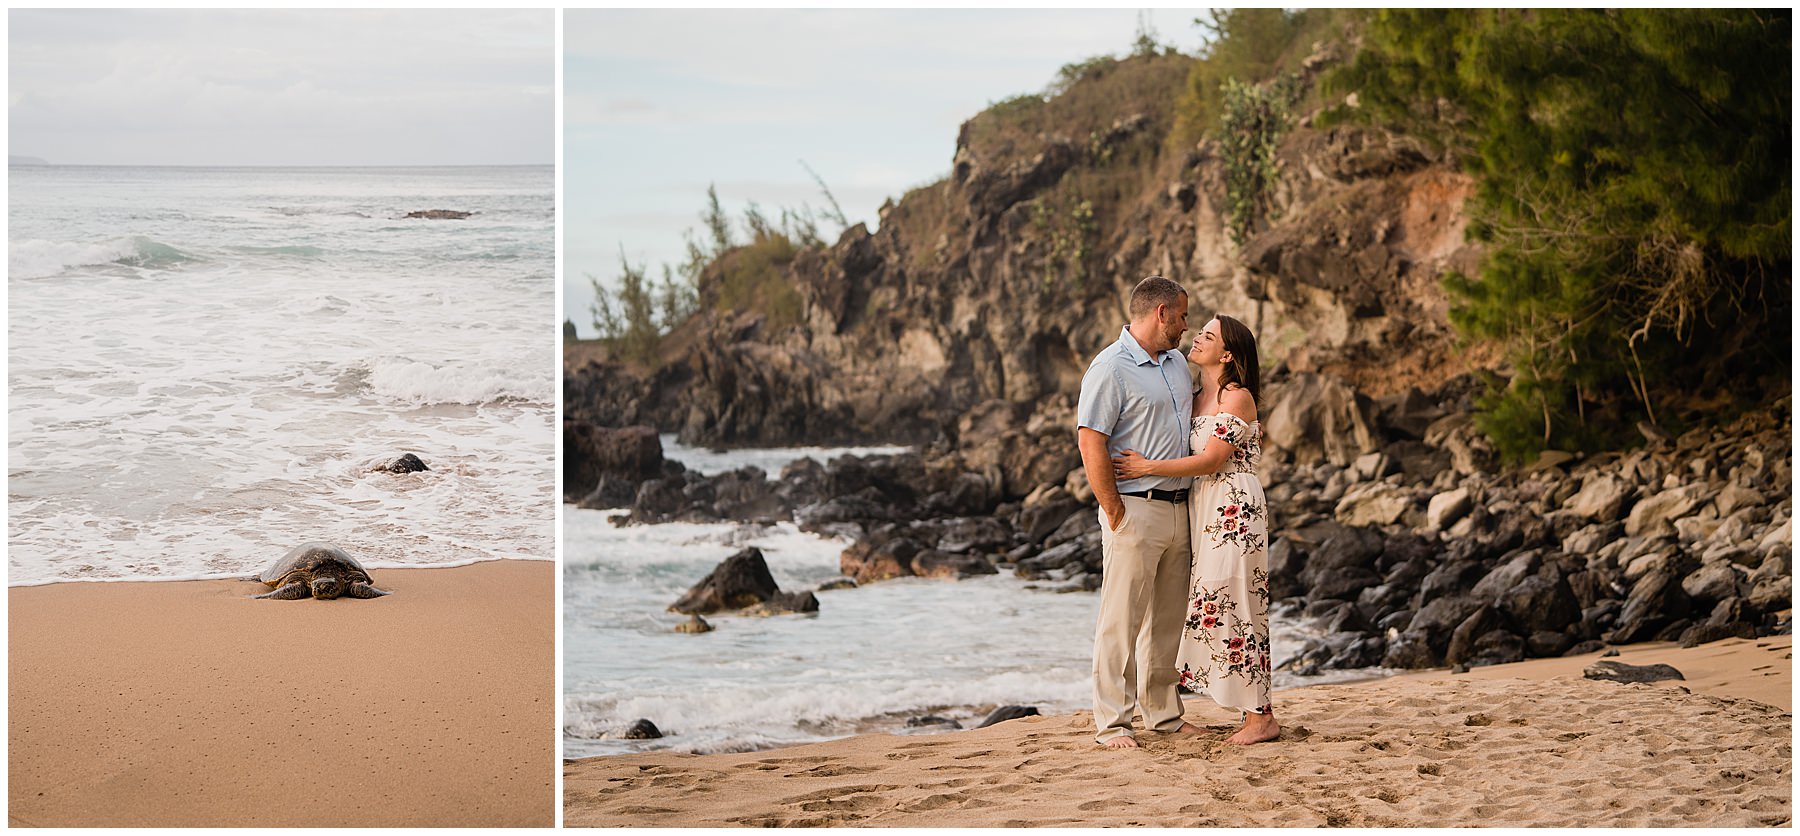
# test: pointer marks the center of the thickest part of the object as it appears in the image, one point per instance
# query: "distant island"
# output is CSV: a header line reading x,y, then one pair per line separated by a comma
x,y
13,159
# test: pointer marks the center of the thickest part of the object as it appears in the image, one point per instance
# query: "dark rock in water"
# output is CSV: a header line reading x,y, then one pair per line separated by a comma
x,y
641,730
866,563
1620,672
836,583
1008,712
974,534
931,720
784,603
1039,522
933,563
741,580
408,463
621,458
439,215
694,624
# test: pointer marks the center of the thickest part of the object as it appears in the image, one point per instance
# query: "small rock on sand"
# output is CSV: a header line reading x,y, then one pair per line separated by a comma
x,y
1621,672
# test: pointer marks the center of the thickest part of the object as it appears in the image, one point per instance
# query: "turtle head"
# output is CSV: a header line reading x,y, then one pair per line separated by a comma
x,y
327,587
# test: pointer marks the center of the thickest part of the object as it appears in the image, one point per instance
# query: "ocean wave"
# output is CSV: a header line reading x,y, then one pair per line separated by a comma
x,y
298,249
37,258
418,383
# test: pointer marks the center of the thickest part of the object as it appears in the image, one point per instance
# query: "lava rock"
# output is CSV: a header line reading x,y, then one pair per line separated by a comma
x,y
407,463
1611,671
931,720
640,730
1008,712
694,624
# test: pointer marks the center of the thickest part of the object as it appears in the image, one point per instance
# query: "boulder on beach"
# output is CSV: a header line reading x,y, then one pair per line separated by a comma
x,y
1008,712
1611,671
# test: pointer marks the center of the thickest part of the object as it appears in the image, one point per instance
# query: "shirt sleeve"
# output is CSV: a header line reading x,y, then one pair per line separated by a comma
x,y
1101,400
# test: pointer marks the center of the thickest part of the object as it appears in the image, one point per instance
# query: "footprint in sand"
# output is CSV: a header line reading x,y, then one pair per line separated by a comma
x,y
830,771
959,800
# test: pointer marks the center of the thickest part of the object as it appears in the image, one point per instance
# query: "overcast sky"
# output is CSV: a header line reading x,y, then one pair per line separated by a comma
x,y
657,104
283,87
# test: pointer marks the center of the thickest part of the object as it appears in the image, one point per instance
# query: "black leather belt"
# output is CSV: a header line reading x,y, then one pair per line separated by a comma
x,y
1159,494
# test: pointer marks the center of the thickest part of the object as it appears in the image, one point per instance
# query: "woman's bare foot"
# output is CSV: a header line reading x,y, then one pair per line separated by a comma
x,y
1257,728
1123,741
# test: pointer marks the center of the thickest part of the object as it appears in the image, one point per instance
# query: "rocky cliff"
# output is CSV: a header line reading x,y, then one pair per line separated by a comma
x,y
969,316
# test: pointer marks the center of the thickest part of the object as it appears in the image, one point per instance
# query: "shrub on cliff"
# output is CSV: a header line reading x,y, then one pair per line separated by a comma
x,y
1634,192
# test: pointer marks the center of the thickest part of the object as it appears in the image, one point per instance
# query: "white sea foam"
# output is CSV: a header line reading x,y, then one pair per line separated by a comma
x,y
411,381
195,411
35,258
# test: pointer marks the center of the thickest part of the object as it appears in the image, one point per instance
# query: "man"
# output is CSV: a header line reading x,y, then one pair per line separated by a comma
x,y
1137,395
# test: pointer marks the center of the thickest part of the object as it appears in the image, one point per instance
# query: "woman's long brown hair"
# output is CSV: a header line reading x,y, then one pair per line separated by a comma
x,y
1242,370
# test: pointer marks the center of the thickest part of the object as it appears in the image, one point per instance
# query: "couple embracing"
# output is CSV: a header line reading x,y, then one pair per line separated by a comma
x,y
1184,597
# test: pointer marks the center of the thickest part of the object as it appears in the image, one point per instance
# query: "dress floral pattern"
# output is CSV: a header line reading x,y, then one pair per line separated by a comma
x,y
1225,648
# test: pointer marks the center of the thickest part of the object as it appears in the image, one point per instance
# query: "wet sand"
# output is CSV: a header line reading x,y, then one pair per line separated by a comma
x,y
187,704
1529,744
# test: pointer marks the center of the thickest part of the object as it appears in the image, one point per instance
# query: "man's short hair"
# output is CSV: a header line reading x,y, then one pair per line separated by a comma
x,y
1154,291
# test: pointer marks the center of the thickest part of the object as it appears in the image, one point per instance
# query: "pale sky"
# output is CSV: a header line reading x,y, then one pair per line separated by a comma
x,y
657,104
283,87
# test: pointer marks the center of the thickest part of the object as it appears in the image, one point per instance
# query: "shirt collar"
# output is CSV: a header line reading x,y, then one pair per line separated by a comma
x,y
1136,351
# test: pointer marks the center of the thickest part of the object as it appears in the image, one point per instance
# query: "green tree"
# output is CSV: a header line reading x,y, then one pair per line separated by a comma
x,y
626,319
718,224
1243,44
1634,192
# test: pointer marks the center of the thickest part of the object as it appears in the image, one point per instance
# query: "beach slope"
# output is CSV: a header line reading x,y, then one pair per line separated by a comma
x,y
188,704
1521,745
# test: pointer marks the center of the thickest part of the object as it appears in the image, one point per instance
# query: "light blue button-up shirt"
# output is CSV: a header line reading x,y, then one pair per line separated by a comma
x,y
1141,403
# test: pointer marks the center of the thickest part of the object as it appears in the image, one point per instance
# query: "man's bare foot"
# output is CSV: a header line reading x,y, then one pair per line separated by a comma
x,y
1257,728
1189,728
1123,741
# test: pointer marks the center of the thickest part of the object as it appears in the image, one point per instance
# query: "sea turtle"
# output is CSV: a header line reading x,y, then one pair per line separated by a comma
x,y
318,570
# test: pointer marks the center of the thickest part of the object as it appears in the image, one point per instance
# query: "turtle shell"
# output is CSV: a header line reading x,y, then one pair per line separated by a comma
x,y
310,557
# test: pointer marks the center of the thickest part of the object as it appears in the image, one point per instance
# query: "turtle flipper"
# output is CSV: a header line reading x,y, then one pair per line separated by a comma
x,y
291,592
363,590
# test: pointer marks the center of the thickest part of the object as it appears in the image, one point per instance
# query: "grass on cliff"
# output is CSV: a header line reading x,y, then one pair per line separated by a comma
x,y
754,278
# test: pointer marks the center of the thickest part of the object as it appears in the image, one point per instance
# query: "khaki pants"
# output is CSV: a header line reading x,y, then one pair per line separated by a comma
x,y
1143,603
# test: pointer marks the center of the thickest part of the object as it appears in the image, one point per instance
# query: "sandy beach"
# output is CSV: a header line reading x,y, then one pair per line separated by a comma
x,y
1527,744
188,704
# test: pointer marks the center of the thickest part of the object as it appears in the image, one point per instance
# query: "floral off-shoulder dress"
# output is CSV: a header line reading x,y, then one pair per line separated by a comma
x,y
1225,648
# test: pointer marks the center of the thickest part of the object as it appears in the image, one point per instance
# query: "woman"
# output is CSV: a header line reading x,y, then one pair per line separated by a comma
x,y
1225,649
